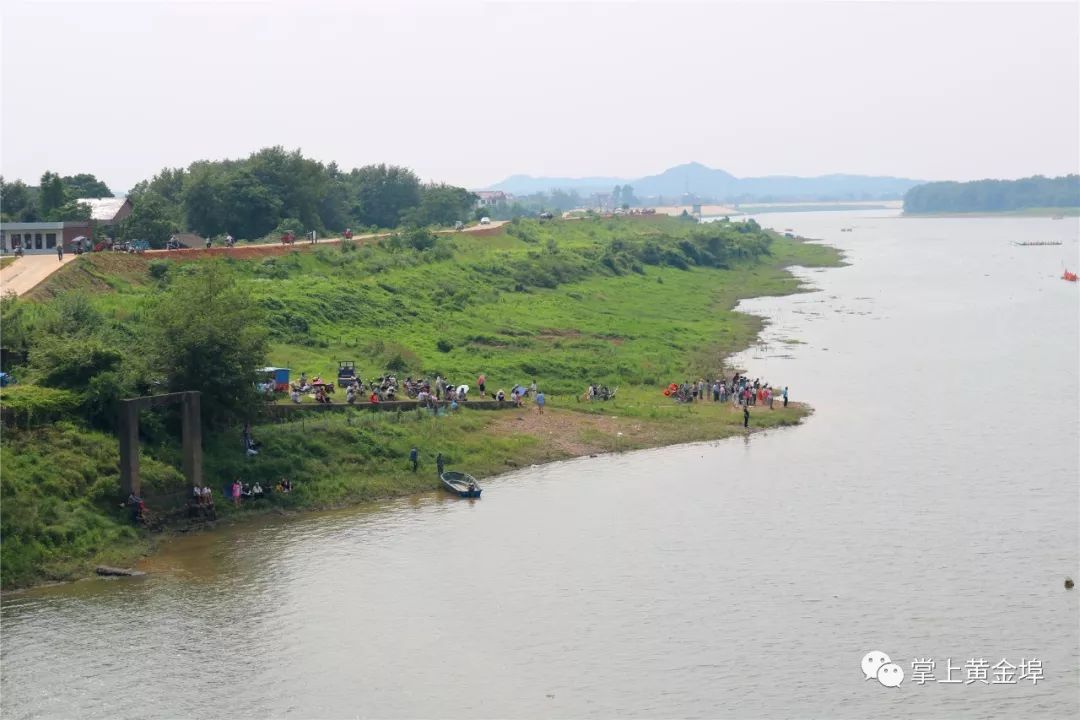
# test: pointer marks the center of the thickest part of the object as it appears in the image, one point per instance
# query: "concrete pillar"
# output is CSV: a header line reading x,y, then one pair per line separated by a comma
x,y
129,447
191,424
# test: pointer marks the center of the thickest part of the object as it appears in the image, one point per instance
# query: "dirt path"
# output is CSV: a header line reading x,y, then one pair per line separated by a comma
x,y
22,275
245,250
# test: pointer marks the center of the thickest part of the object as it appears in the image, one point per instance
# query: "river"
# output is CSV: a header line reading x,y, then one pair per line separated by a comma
x,y
928,509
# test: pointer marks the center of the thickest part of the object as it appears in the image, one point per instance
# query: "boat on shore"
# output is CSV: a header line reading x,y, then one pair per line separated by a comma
x,y
461,484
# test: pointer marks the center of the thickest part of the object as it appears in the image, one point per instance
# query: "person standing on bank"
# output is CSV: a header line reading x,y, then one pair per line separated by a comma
x,y
414,458
60,251
439,463
746,417
785,396
540,400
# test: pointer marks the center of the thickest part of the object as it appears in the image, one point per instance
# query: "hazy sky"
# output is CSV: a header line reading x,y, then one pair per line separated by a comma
x,y
471,92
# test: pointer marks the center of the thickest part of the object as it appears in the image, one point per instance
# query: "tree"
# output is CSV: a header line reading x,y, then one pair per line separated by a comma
x,y
71,210
169,184
203,209
441,204
616,195
207,333
251,209
17,202
51,193
383,193
152,218
85,185
628,196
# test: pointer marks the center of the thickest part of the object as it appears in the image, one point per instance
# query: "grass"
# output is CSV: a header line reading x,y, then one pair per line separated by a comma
x,y
7,260
552,302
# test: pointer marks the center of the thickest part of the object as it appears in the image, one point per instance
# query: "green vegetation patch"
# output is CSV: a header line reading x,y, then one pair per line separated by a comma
x,y
632,303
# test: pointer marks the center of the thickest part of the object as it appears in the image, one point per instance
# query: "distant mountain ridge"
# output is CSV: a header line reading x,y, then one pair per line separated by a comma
x,y
714,184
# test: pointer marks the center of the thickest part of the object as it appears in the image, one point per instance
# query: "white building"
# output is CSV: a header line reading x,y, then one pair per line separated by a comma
x,y
42,237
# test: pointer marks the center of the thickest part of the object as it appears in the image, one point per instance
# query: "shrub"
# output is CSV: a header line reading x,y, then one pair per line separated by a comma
x,y
159,269
444,345
30,405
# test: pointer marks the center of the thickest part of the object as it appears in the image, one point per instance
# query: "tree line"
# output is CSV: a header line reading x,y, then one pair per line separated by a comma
x,y
274,191
53,199
994,195
270,192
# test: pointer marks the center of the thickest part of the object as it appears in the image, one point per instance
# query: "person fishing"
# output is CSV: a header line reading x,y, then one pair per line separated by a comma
x,y
746,417
414,458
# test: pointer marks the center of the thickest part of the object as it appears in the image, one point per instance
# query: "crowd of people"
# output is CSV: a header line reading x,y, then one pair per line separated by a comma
x,y
238,491
428,392
740,390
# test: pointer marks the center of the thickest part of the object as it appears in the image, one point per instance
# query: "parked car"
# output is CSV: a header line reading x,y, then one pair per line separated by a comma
x,y
485,221
459,225
546,216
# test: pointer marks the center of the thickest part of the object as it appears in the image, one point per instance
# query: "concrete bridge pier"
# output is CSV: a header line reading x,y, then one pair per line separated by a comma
x,y
191,428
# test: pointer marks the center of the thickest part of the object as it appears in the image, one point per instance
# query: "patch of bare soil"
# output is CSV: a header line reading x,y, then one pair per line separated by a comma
x,y
572,433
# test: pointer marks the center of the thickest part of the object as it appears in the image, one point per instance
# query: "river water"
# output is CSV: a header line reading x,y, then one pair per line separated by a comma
x,y
929,510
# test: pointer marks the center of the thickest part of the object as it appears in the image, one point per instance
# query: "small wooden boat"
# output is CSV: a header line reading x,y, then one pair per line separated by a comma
x,y
461,484
1070,276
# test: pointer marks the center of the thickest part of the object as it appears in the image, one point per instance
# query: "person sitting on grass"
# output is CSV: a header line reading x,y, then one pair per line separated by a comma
x,y
257,491
500,395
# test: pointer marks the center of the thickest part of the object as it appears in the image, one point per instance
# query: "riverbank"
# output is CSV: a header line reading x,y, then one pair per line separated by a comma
x,y
325,451
575,316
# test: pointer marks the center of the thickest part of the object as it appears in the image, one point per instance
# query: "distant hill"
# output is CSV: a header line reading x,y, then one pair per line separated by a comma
x,y
527,184
994,195
714,184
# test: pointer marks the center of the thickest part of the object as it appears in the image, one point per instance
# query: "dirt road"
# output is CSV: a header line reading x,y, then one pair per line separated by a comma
x,y
22,275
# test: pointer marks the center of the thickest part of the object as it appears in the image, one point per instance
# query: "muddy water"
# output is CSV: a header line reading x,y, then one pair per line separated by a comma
x,y
929,509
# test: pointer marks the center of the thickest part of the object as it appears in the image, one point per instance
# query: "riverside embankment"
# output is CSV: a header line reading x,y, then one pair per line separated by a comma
x,y
634,304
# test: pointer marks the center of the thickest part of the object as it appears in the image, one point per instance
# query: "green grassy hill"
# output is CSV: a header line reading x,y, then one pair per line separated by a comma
x,y
633,303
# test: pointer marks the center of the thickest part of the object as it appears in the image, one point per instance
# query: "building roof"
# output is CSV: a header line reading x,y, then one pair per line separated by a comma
x,y
10,226
58,225
104,209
